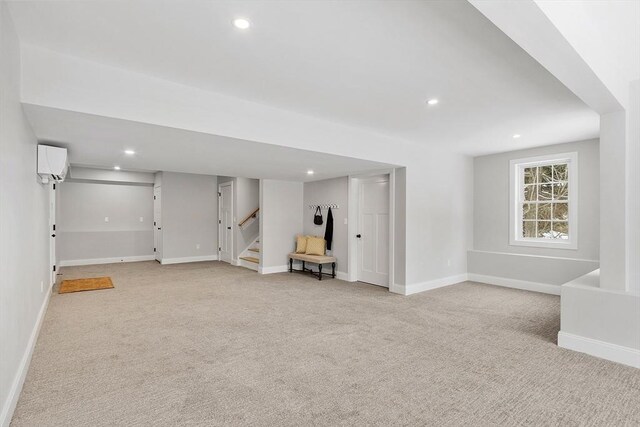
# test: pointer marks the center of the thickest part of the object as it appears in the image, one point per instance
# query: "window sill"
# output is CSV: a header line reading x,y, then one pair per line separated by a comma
x,y
545,244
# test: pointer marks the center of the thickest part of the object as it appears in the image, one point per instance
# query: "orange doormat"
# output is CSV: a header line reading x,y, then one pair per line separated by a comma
x,y
91,284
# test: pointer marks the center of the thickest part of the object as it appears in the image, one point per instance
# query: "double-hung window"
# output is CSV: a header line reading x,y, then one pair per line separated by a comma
x,y
544,201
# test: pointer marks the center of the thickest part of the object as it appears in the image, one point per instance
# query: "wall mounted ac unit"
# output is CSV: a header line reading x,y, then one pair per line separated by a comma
x,y
52,163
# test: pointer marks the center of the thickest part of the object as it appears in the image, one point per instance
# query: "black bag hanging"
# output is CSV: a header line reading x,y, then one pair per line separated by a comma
x,y
317,217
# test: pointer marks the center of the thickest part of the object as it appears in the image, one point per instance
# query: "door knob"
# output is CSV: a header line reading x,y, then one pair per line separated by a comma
x,y
53,235
228,228
358,235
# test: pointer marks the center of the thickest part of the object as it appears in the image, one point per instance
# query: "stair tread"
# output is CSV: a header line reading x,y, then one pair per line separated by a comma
x,y
254,249
250,259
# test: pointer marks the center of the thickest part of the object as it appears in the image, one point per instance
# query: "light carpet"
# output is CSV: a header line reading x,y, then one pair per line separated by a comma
x,y
212,344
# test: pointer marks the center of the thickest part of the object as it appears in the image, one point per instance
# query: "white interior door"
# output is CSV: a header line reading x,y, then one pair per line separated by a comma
x,y
373,230
157,223
225,222
52,231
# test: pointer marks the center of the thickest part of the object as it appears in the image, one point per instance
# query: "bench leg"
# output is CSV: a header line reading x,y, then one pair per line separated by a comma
x,y
303,266
290,265
319,271
333,270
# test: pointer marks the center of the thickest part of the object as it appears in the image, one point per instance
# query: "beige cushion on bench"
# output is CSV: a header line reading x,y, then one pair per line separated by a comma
x,y
318,259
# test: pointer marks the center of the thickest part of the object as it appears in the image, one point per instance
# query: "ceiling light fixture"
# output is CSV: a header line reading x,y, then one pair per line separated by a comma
x,y
241,23
129,152
432,101
516,136
310,172
116,168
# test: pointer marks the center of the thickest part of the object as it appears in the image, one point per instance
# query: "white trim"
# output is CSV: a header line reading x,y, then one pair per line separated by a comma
x,y
158,242
53,233
275,269
183,260
94,261
233,220
427,286
616,353
352,221
534,256
544,288
515,206
9,405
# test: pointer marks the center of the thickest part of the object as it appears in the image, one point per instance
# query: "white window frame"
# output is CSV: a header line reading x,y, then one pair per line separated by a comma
x,y
516,178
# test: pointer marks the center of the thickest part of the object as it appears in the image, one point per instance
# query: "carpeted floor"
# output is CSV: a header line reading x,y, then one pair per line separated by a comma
x,y
212,344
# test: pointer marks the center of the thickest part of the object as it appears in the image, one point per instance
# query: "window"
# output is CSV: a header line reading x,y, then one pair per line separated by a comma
x,y
544,201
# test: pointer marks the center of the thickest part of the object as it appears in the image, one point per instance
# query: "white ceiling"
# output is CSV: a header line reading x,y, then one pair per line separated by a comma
x,y
370,64
96,141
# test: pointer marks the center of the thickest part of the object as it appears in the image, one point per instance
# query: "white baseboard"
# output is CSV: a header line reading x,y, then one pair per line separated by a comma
x,y
341,275
275,269
94,261
545,288
182,260
604,350
9,405
415,288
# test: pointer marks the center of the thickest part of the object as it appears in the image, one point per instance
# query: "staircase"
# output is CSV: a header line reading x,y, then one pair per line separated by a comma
x,y
250,258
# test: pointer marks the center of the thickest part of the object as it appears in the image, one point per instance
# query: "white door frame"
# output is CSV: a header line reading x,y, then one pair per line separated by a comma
x,y
157,225
353,218
220,226
52,233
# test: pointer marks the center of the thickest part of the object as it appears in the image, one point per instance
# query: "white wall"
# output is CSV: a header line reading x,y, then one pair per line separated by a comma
x,y
330,191
189,217
109,175
280,221
600,322
83,234
633,190
400,235
492,205
24,229
439,220
493,256
613,233
605,34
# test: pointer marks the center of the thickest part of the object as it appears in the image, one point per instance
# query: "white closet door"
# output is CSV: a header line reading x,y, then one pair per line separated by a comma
x,y
225,235
373,229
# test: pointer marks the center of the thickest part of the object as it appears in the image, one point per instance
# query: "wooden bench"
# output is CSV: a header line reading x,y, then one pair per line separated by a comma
x,y
314,259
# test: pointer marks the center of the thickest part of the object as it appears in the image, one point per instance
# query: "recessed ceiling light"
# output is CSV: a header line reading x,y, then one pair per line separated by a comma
x,y
241,23
310,172
117,168
432,101
129,152
516,136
